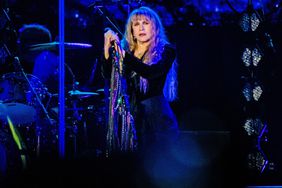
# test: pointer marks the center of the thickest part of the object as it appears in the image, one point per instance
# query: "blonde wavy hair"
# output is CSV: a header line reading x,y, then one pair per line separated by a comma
x,y
155,49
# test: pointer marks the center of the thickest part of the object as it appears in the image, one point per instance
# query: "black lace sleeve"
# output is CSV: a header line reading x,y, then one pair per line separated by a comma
x,y
106,67
155,70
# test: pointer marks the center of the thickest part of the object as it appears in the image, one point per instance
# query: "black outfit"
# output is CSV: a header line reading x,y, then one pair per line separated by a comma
x,y
155,121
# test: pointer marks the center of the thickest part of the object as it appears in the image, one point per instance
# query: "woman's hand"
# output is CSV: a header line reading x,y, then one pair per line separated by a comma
x,y
109,37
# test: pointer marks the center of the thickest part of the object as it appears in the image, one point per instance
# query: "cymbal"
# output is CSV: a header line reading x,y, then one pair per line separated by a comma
x,y
81,94
54,46
101,90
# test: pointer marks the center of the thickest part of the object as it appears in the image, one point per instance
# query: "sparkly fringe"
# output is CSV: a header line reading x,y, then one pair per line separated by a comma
x,y
121,133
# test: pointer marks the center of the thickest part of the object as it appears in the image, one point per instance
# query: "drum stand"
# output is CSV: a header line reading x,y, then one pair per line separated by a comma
x,y
76,116
38,128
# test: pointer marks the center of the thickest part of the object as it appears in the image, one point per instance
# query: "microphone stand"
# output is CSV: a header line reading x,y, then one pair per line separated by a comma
x,y
110,138
121,133
105,16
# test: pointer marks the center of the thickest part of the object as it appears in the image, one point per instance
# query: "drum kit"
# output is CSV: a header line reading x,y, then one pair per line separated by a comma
x,y
28,105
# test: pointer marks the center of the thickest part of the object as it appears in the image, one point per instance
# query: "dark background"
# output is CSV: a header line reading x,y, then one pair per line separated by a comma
x,y
210,66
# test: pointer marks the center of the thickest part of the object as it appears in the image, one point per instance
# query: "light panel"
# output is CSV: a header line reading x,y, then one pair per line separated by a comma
x,y
253,126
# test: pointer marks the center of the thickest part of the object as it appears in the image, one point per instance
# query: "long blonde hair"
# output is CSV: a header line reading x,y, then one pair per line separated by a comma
x,y
155,49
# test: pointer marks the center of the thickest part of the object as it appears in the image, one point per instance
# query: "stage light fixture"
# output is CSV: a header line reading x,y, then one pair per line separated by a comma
x,y
247,92
249,21
246,57
257,160
252,92
251,57
256,56
257,91
254,21
253,126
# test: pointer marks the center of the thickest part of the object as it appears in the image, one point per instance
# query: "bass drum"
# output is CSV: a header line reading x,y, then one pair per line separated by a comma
x,y
17,98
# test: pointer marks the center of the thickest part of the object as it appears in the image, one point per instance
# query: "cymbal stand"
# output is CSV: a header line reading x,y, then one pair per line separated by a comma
x,y
76,117
74,100
38,128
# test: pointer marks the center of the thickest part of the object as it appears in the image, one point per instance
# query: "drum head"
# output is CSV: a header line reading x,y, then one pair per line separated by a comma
x,y
19,113
15,88
17,99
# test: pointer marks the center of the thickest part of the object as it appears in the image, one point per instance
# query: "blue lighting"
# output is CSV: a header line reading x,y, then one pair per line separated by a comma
x,y
61,80
209,10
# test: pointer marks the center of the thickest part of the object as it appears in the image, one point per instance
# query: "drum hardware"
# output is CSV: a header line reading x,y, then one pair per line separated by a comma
x,y
81,94
11,161
74,111
17,65
34,92
18,109
72,134
25,114
19,142
18,112
54,46
84,116
14,109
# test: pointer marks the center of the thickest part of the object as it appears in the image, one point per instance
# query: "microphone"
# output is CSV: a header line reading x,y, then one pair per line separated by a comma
x,y
112,42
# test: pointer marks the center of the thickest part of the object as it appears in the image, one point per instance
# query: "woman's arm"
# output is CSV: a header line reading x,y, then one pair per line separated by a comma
x,y
151,71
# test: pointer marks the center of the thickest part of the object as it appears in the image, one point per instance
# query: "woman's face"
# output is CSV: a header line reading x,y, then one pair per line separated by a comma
x,y
142,29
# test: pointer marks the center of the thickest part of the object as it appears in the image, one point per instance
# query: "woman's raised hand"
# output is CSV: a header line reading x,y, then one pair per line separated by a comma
x,y
109,37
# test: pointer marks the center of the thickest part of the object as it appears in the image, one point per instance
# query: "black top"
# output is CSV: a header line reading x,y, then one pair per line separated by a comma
x,y
155,73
